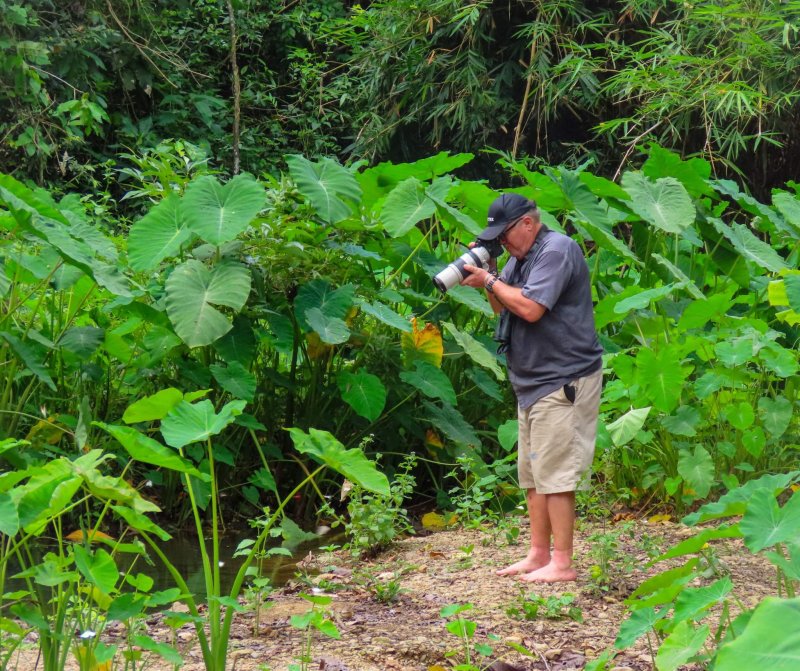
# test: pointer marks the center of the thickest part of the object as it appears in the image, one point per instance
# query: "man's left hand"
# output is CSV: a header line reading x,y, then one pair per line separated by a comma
x,y
477,277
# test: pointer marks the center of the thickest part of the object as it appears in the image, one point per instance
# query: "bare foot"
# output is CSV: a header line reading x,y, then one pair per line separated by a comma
x,y
551,573
527,565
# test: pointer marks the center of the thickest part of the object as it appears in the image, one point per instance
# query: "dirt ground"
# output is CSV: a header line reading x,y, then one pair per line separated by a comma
x,y
455,567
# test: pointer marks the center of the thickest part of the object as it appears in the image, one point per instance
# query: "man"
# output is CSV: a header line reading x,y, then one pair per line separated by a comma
x,y
555,367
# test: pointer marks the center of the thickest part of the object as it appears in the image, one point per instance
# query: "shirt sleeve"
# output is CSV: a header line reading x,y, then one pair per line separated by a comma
x,y
547,278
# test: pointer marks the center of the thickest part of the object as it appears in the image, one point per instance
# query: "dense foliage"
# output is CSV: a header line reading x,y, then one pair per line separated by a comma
x,y
198,302
252,80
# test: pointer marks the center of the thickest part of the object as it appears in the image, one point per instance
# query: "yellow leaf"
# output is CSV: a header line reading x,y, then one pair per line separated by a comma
x,y
315,347
422,345
432,439
86,658
436,522
93,536
436,667
46,430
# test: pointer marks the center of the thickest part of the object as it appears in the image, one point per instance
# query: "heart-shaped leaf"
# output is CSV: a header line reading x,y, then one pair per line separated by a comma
x,y
664,203
158,235
697,470
680,646
193,290
326,184
363,392
405,207
236,380
219,213
775,414
331,330
98,567
768,641
624,428
352,464
192,422
765,523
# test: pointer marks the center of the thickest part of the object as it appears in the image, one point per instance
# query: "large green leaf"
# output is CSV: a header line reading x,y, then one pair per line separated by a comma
x,y
475,350
352,464
98,567
664,203
9,517
680,646
331,330
193,422
642,299
386,315
775,414
363,392
148,451
697,542
193,290
693,601
219,213
155,406
236,380
405,207
320,294
82,340
735,501
451,422
431,381
475,300
661,376
771,639
640,622
765,523
158,235
693,174
326,184
749,246
623,429
697,469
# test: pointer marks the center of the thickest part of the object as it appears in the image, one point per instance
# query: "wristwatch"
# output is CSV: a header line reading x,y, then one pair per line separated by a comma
x,y
490,284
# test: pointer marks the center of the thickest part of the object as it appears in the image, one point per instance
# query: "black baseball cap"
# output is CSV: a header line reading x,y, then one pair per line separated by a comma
x,y
503,211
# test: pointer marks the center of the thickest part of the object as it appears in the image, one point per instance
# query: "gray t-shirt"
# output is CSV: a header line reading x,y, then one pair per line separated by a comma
x,y
562,346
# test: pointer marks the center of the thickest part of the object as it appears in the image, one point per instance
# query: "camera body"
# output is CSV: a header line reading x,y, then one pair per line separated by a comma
x,y
479,255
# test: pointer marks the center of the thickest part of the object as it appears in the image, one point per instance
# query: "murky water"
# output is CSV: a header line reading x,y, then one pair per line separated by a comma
x,y
183,552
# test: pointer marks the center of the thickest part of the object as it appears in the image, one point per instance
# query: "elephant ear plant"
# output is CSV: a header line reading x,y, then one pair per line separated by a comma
x,y
183,423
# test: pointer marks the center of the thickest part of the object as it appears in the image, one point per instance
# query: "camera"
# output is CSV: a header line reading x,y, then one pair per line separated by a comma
x,y
479,256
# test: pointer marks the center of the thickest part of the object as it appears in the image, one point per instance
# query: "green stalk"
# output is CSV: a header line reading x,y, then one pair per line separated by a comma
x,y
407,260
240,575
213,600
188,599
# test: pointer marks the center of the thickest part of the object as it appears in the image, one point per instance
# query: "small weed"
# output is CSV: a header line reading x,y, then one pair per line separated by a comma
x,y
535,607
383,591
313,619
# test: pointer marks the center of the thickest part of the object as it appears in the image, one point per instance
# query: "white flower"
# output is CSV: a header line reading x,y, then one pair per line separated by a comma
x,y
88,634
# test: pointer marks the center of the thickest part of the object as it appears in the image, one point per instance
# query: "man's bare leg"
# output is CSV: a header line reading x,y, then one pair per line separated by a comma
x,y
561,512
539,554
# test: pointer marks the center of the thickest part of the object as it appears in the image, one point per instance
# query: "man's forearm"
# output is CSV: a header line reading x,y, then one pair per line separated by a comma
x,y
503,295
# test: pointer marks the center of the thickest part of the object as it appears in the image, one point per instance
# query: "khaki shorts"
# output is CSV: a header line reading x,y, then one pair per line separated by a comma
x,y
556,438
